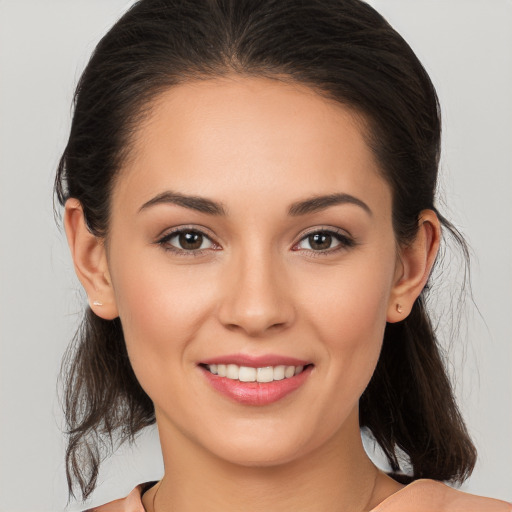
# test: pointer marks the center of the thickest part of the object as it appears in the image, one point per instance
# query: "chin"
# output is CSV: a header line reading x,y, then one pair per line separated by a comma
x,y
256,457
274,447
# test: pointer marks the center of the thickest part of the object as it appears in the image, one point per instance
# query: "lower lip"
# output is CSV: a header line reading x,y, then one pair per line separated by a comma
x,y
256,393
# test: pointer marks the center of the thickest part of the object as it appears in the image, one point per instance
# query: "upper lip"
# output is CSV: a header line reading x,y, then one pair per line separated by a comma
x,y
256,361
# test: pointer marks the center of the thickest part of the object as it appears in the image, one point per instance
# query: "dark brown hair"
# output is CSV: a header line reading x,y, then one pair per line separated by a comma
x,y
344,50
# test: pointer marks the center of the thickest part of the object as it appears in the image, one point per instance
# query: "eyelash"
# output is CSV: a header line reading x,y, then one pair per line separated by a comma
x,y
164,241
345,242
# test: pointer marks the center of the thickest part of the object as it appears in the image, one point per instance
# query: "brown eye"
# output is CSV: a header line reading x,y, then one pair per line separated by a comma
x,y
186,240
325,242
320,241
190,241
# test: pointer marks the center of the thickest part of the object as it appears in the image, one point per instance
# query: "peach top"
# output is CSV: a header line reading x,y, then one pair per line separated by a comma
x,y
419,496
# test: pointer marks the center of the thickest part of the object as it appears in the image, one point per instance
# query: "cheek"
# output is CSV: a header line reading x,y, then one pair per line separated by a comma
x,y
160,307
349,315
351,300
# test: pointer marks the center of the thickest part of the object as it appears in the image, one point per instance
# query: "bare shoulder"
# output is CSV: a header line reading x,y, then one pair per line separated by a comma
x,y
132,503
420,496
462,501
429,495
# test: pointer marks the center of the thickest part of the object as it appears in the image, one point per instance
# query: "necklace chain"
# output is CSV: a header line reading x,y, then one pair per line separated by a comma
x,y
153,501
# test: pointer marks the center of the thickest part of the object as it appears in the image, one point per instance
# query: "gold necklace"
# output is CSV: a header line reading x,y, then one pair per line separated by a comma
x,y
377,472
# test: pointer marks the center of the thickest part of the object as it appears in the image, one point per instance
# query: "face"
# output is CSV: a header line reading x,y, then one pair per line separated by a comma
x,y
251,228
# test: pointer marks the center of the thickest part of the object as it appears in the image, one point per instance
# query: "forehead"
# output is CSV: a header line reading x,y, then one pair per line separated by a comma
x,y
227,136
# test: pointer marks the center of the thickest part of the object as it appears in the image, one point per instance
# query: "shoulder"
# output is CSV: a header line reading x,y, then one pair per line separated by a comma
x,y
430,495
420,496
132,502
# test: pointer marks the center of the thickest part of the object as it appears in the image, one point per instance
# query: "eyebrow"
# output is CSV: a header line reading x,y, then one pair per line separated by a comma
x,y
210,207
318,203
201,204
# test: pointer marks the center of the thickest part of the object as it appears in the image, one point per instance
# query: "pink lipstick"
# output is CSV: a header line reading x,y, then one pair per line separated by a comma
x,y
255,380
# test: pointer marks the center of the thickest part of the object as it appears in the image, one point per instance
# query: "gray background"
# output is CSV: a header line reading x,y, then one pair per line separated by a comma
x,y
466,45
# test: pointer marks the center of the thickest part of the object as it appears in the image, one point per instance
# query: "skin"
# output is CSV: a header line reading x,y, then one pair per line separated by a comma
x,y
259,286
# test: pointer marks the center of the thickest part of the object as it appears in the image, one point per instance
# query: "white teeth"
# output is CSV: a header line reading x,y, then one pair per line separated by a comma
x,y
250,374
265,374
232,371
246,374
289,371
279,372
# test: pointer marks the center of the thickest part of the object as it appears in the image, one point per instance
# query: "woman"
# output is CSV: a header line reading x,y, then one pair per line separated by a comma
x,y
249,202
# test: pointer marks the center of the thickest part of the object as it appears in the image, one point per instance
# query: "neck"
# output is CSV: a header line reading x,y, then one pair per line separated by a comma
x,y
337,476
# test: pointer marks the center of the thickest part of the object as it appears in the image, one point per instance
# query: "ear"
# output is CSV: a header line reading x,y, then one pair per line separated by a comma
x,y
414,264
90,260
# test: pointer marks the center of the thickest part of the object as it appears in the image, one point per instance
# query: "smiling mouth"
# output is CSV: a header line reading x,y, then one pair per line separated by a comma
x,y
249,374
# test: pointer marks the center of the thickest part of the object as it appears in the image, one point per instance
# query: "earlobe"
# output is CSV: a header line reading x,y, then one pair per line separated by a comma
x,y
90,261
415,263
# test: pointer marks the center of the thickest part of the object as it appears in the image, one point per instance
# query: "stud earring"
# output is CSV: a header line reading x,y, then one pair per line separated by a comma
x,y
97,303
399,308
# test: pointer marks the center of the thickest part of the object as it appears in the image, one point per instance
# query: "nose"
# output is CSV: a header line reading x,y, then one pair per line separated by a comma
x,y
256,298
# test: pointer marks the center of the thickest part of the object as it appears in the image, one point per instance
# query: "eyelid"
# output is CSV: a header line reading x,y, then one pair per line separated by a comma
x,y
325,229
184,227
344,237
166,235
